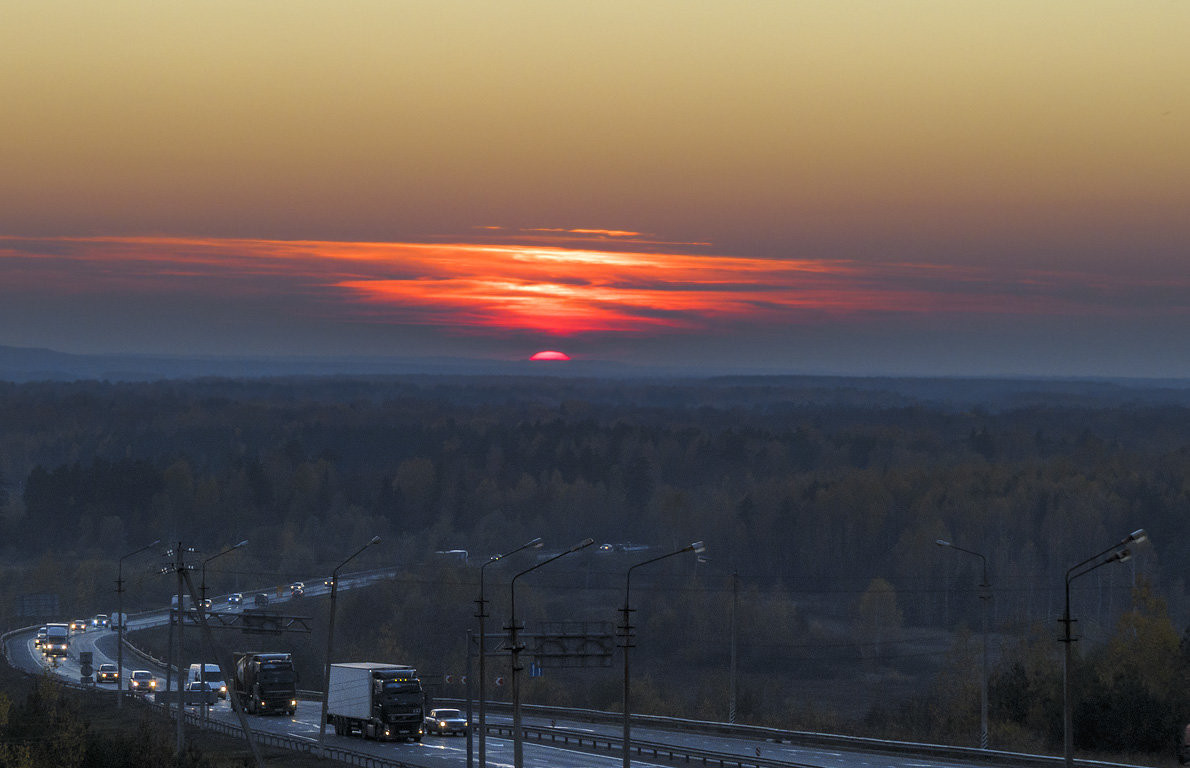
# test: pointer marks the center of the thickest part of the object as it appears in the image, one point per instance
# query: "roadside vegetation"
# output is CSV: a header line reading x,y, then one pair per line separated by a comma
x,y
44,724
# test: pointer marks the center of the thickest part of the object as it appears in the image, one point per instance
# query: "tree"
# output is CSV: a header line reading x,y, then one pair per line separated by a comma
x,y
878,619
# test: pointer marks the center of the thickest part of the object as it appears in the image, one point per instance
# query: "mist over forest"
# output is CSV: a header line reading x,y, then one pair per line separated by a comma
x,y
820,501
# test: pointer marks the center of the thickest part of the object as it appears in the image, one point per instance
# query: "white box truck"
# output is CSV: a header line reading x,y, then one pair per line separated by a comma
x,y
375,700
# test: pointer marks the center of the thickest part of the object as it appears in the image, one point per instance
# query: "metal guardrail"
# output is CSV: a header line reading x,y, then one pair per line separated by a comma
x,y
584,740
799,738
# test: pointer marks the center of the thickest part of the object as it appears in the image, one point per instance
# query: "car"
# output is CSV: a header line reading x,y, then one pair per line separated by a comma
x,y
142,680
107,673
235,598
78,625
199,693
261,599
100,621
206,603
446,721
297,589
37,643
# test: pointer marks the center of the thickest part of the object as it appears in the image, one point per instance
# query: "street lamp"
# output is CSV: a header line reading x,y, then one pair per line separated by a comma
x,y
1120,555
330,638
120,621
517,738
202,608
534,544
243,543
697,547
985,594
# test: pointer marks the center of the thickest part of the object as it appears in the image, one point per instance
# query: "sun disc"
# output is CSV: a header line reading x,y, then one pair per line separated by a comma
x,y
550,354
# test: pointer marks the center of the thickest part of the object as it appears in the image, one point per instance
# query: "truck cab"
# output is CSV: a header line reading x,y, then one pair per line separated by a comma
x,y
265,682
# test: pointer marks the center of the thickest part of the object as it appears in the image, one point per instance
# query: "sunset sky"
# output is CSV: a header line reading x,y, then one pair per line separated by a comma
x,y
867,187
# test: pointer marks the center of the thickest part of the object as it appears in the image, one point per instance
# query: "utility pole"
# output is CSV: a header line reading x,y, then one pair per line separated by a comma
x,y
232,699
179,567
735,605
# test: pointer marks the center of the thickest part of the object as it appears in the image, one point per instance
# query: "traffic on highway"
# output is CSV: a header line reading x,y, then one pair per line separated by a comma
x,y
435,738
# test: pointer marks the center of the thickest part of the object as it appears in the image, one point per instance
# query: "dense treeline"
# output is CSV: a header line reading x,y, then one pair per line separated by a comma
x,y
824,497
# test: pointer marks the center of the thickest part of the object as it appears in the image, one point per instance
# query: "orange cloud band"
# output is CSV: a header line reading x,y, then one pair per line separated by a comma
x,y
550,289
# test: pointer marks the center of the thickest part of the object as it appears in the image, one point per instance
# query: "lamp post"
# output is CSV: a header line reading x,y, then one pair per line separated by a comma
x,y
330,639
534,544
518,751
1119,555
243,543
120,621
696,547
985,594
202,608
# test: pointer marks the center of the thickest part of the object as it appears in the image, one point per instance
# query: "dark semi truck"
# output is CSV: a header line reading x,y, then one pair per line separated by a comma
x,y
265,682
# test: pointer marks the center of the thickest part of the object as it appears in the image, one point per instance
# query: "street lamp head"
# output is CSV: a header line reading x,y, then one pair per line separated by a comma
x,y
243,543
943,543
1138,536
580,545
375,540
698,547
1119,556
537,543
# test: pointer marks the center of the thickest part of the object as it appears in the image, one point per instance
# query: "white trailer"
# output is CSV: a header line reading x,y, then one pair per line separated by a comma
x,y
375,700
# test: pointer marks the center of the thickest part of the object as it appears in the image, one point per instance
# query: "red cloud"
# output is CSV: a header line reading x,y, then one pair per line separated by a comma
x,y
546,289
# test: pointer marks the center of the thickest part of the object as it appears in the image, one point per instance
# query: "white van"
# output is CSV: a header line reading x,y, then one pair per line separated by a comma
x,y
214,677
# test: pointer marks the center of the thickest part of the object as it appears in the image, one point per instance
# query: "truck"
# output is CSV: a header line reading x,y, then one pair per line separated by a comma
x,y
376,700
57,640
265,682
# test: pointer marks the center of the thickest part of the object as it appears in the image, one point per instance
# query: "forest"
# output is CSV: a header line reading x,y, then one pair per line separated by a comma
x,y
820,502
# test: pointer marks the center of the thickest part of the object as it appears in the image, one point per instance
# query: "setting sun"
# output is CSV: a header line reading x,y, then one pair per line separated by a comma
x,y
550,354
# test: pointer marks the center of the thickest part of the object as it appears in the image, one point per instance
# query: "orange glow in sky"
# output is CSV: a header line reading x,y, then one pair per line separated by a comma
x,y
550,290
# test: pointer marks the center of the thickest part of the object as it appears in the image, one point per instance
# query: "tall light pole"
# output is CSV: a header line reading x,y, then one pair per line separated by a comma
x,y
534,544
696,547
120,621
518,751
202,608
203,589
1119,555
330,639
985,594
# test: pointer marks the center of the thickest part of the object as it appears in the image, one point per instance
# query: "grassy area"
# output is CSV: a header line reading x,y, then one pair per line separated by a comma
x,y
63,727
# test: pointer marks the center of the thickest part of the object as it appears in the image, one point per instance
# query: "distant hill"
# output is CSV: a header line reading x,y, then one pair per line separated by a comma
x,y
21,364
26,365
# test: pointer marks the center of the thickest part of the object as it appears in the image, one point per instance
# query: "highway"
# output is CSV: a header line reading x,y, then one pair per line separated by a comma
x,y
437,751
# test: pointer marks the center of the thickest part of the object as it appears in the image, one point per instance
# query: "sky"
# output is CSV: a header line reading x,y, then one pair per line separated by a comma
x,y
876,187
